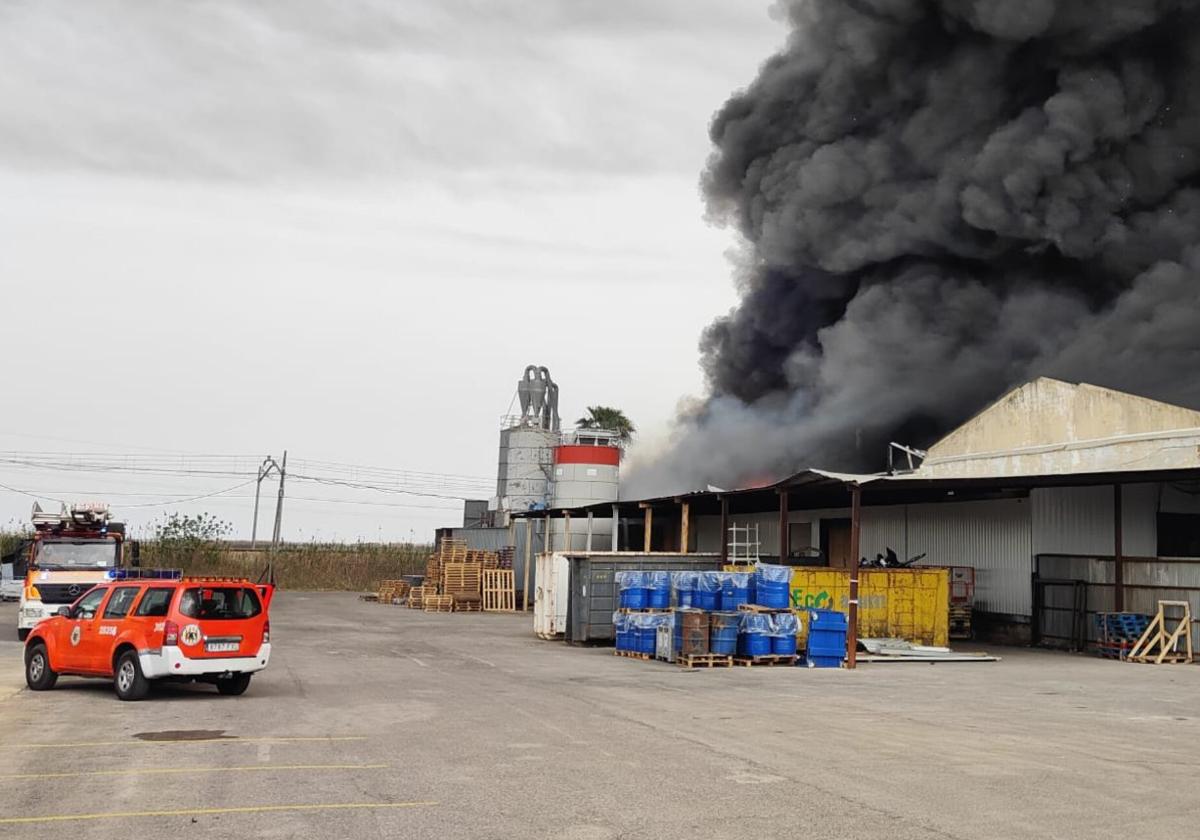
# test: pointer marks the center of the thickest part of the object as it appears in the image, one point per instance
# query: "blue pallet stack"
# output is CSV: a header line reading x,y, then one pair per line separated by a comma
x,y
826,638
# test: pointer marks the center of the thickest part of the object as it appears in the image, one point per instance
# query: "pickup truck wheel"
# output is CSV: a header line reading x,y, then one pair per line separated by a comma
x,y
128,679
38,675
23,633
234,686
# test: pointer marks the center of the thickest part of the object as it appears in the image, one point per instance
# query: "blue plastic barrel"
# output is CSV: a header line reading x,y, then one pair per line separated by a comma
x,y
784,627
684,584
723,635
772,586
826,638
658,587
632,586
753,638
708,591
734,590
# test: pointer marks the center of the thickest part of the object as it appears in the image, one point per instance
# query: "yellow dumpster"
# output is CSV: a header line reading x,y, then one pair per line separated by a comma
x,y
910,604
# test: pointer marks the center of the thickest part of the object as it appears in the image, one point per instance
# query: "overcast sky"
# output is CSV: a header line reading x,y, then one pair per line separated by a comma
x,y
234,227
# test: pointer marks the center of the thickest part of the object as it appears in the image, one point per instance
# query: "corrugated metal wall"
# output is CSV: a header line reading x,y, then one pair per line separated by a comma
x,y
1079,520
993,537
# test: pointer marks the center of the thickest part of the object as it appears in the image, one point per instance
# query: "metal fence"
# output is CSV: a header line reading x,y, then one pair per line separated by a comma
x,y
1070,590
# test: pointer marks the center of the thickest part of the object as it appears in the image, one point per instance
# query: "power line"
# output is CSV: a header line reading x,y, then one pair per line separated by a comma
x,y
31,495
193,498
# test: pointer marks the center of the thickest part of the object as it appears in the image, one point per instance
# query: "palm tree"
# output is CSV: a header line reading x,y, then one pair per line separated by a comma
x,y
608,419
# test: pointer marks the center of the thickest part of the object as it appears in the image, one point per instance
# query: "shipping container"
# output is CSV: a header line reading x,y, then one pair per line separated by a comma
x,y
593,591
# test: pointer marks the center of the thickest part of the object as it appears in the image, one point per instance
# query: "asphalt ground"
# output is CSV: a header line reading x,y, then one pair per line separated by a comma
x,y
380,722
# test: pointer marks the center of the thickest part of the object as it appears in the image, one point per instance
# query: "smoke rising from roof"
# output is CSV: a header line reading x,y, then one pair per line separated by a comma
x,y
940,199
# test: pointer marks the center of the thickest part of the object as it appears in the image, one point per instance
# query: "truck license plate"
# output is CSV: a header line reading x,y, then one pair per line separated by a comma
x,y
221,647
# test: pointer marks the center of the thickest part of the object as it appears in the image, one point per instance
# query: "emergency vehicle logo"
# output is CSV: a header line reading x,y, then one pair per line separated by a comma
x,y
75,635
190,634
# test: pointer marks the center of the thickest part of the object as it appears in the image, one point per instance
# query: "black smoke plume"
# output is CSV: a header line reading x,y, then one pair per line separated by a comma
x,y
940,199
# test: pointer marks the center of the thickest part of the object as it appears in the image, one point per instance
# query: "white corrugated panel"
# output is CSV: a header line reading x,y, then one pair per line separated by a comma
x,y
884,528
993,537
1079,520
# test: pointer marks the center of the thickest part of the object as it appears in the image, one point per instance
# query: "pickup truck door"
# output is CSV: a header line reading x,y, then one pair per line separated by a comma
x,y
74,647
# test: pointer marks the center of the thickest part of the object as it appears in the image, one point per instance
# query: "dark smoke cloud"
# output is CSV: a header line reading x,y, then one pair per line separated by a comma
x,y
941,199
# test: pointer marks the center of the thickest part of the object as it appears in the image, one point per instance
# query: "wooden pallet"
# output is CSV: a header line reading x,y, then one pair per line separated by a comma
x,y
647,611
758,608
416,597
704,660
1161,644
633,654
499,591
772,659
439,603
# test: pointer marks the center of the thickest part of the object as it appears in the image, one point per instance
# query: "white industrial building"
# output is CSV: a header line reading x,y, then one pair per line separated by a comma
x,y
1034,484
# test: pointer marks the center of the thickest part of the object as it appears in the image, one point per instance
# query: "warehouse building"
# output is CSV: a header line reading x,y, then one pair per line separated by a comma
x,y
1066,499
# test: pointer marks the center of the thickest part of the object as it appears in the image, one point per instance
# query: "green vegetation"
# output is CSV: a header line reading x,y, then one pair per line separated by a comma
x,y
199,546
609,419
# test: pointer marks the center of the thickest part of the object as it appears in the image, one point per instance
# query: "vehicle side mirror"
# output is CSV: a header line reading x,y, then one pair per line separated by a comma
x,y
65,612
135,554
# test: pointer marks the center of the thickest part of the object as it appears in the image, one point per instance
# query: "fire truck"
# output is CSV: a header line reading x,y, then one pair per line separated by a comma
x,y
70,552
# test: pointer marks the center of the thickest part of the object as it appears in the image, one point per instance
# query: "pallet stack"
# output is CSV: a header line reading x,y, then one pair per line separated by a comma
x,y
417,595
462,582
392,591
504,557
1117,633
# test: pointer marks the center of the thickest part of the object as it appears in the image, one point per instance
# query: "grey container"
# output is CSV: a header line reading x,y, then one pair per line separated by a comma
x,y
594,596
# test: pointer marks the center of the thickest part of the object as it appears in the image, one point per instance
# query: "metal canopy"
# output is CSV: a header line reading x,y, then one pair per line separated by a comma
x,y
811,489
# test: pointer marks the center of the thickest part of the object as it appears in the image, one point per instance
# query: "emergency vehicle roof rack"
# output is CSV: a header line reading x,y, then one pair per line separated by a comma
x,y
145,574
81,514
215,579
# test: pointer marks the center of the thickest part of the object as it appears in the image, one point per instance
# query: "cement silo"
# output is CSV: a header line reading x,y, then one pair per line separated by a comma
x,y
587,467
523,479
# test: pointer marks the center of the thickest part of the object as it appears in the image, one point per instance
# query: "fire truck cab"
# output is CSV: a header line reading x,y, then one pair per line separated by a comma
x,y
70,552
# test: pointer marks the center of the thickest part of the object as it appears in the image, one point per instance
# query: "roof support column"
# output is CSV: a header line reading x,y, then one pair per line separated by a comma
x,y
855,541
547,536
724,530
616,528
685,526
1118,550
591,522
783,526
567,532
648,524
528,563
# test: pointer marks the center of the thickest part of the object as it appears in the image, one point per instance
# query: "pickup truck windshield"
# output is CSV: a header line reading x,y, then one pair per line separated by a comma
x,y
94,554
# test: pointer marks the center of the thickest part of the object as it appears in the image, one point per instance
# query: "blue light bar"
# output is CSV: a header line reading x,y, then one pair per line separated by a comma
x,y
146,574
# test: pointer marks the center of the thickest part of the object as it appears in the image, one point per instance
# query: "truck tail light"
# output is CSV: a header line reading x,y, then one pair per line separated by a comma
x,y
170,634
266,631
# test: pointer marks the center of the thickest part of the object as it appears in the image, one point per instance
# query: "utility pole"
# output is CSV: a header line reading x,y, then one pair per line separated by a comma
x,y
279,501
264,470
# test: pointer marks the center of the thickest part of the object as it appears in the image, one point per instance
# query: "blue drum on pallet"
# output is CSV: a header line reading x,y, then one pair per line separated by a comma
x,y
684,584
632,590
723,633
772,586
735,590
784,627
708,590
621,626
658,588
826,638
753,635
645,633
